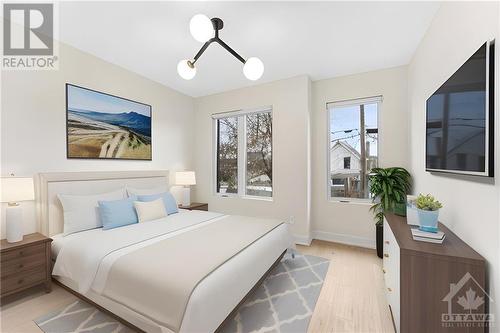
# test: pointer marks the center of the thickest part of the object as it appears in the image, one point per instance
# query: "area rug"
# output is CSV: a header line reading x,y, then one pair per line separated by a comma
x,y
284,303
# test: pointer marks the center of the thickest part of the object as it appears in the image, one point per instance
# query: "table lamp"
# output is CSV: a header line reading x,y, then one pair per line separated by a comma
x,y
13,190
186,179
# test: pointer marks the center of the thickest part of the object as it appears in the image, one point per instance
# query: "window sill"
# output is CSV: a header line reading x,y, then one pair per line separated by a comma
x,y
351,201
245,197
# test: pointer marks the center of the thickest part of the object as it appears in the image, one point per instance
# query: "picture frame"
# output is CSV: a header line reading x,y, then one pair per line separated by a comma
x,y
105,126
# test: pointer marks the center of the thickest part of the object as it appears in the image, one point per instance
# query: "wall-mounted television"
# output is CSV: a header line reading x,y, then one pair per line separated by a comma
x,y
459,122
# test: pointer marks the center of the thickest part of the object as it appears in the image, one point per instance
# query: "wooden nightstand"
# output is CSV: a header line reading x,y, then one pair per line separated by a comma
x,y
25,264
195,206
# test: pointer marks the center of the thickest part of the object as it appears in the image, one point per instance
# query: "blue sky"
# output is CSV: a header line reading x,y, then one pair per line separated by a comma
x,y
84,99
346,118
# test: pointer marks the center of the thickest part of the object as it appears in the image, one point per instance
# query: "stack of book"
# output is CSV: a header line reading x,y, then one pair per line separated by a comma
x,y
424,236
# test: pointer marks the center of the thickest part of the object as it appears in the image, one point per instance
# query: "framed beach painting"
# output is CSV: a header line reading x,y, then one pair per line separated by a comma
x,y
103,126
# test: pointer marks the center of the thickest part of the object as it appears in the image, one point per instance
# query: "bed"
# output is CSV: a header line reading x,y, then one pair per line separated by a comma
x,y
95,264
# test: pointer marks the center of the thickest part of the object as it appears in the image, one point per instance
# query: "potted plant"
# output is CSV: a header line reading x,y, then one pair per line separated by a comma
x,y
428,212
388,188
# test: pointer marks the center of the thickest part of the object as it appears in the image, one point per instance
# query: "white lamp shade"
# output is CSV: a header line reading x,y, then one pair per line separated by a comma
x,y
185,71
253,68
201,28
14,189
185,178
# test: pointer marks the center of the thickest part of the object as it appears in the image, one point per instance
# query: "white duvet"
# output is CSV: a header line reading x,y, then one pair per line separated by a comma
x,y
81,254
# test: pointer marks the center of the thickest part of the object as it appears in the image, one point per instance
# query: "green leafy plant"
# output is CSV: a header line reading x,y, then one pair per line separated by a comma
x,y
427,202
388,187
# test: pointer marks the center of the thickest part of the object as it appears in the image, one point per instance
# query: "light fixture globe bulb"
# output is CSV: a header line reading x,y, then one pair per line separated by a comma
x,y
253,68
201,28
185,70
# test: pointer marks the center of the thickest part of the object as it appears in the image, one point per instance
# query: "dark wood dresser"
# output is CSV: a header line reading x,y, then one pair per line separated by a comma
x,y
433,287
25,264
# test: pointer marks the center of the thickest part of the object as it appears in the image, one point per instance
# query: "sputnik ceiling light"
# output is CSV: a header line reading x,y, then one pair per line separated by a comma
x,y
206,30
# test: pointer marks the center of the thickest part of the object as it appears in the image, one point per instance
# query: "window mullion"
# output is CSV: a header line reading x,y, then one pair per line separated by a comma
x,y
241,155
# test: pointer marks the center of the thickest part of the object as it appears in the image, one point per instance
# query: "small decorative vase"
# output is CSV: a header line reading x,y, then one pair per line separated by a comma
x,y
428,220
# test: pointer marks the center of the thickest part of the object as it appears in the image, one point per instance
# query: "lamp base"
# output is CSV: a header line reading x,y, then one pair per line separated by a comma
x,y
14,224
186,197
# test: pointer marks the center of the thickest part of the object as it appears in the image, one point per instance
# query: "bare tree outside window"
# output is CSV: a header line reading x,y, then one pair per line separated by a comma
x,y
227,155
248,172
259,176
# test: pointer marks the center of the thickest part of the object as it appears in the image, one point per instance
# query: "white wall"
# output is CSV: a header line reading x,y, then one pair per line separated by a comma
x,y
290,101
33,119
352,222
470,204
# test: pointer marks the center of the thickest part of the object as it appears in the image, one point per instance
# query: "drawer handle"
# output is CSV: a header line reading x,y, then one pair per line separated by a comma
x,y
389,289
386,255
21,265
383,270
20,281
21,253
387,242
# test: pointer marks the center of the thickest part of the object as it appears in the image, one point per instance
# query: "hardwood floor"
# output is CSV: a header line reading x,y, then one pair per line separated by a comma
x,y
352,298
353,294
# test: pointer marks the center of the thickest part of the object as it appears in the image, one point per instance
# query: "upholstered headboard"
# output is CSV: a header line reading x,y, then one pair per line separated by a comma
x,y
49,185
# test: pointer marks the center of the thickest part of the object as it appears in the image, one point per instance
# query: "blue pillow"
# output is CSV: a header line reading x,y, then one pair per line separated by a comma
x,y
117,213
168,201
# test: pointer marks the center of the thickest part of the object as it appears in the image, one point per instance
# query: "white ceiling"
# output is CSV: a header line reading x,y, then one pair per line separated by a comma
x,y
320,39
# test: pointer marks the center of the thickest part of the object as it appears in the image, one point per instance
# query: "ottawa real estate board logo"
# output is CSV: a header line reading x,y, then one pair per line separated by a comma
x,y
29,37
467,305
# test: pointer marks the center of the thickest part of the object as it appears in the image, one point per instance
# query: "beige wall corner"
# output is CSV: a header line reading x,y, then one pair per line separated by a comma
x,y
470,203
290,101
352,223
33,127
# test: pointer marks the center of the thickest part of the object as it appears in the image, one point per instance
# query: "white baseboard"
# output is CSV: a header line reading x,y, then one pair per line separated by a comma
x,y
302,240
344,239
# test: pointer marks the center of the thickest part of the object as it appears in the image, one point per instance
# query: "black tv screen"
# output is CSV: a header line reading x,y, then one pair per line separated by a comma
x,y
459,123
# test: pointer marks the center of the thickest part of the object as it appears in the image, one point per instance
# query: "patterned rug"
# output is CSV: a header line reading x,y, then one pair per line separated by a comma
x,y
283,303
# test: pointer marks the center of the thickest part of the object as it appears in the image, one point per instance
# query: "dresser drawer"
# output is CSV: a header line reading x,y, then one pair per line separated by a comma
x,y
391,262
24,263
24,252
23,279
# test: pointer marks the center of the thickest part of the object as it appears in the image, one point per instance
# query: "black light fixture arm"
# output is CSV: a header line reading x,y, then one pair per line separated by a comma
x,y
218,24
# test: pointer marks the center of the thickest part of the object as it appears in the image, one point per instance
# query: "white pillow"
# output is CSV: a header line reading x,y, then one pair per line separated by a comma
x,y
150,210
146,191
81,212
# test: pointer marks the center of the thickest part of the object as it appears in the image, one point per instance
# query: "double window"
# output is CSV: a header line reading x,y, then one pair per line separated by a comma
x,y
353,146
243,146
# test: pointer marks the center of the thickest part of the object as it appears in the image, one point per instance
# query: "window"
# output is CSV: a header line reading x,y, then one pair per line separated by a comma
x,y
353,146
244,164
227,155
347,162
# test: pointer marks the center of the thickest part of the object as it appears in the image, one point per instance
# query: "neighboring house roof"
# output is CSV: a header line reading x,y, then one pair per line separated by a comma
x,y
347,147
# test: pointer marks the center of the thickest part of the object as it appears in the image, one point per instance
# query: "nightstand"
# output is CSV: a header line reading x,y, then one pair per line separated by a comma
x,y
25,264
195,206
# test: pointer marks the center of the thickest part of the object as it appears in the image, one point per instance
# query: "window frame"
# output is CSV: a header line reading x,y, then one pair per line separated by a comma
x,y
242,158
350,102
